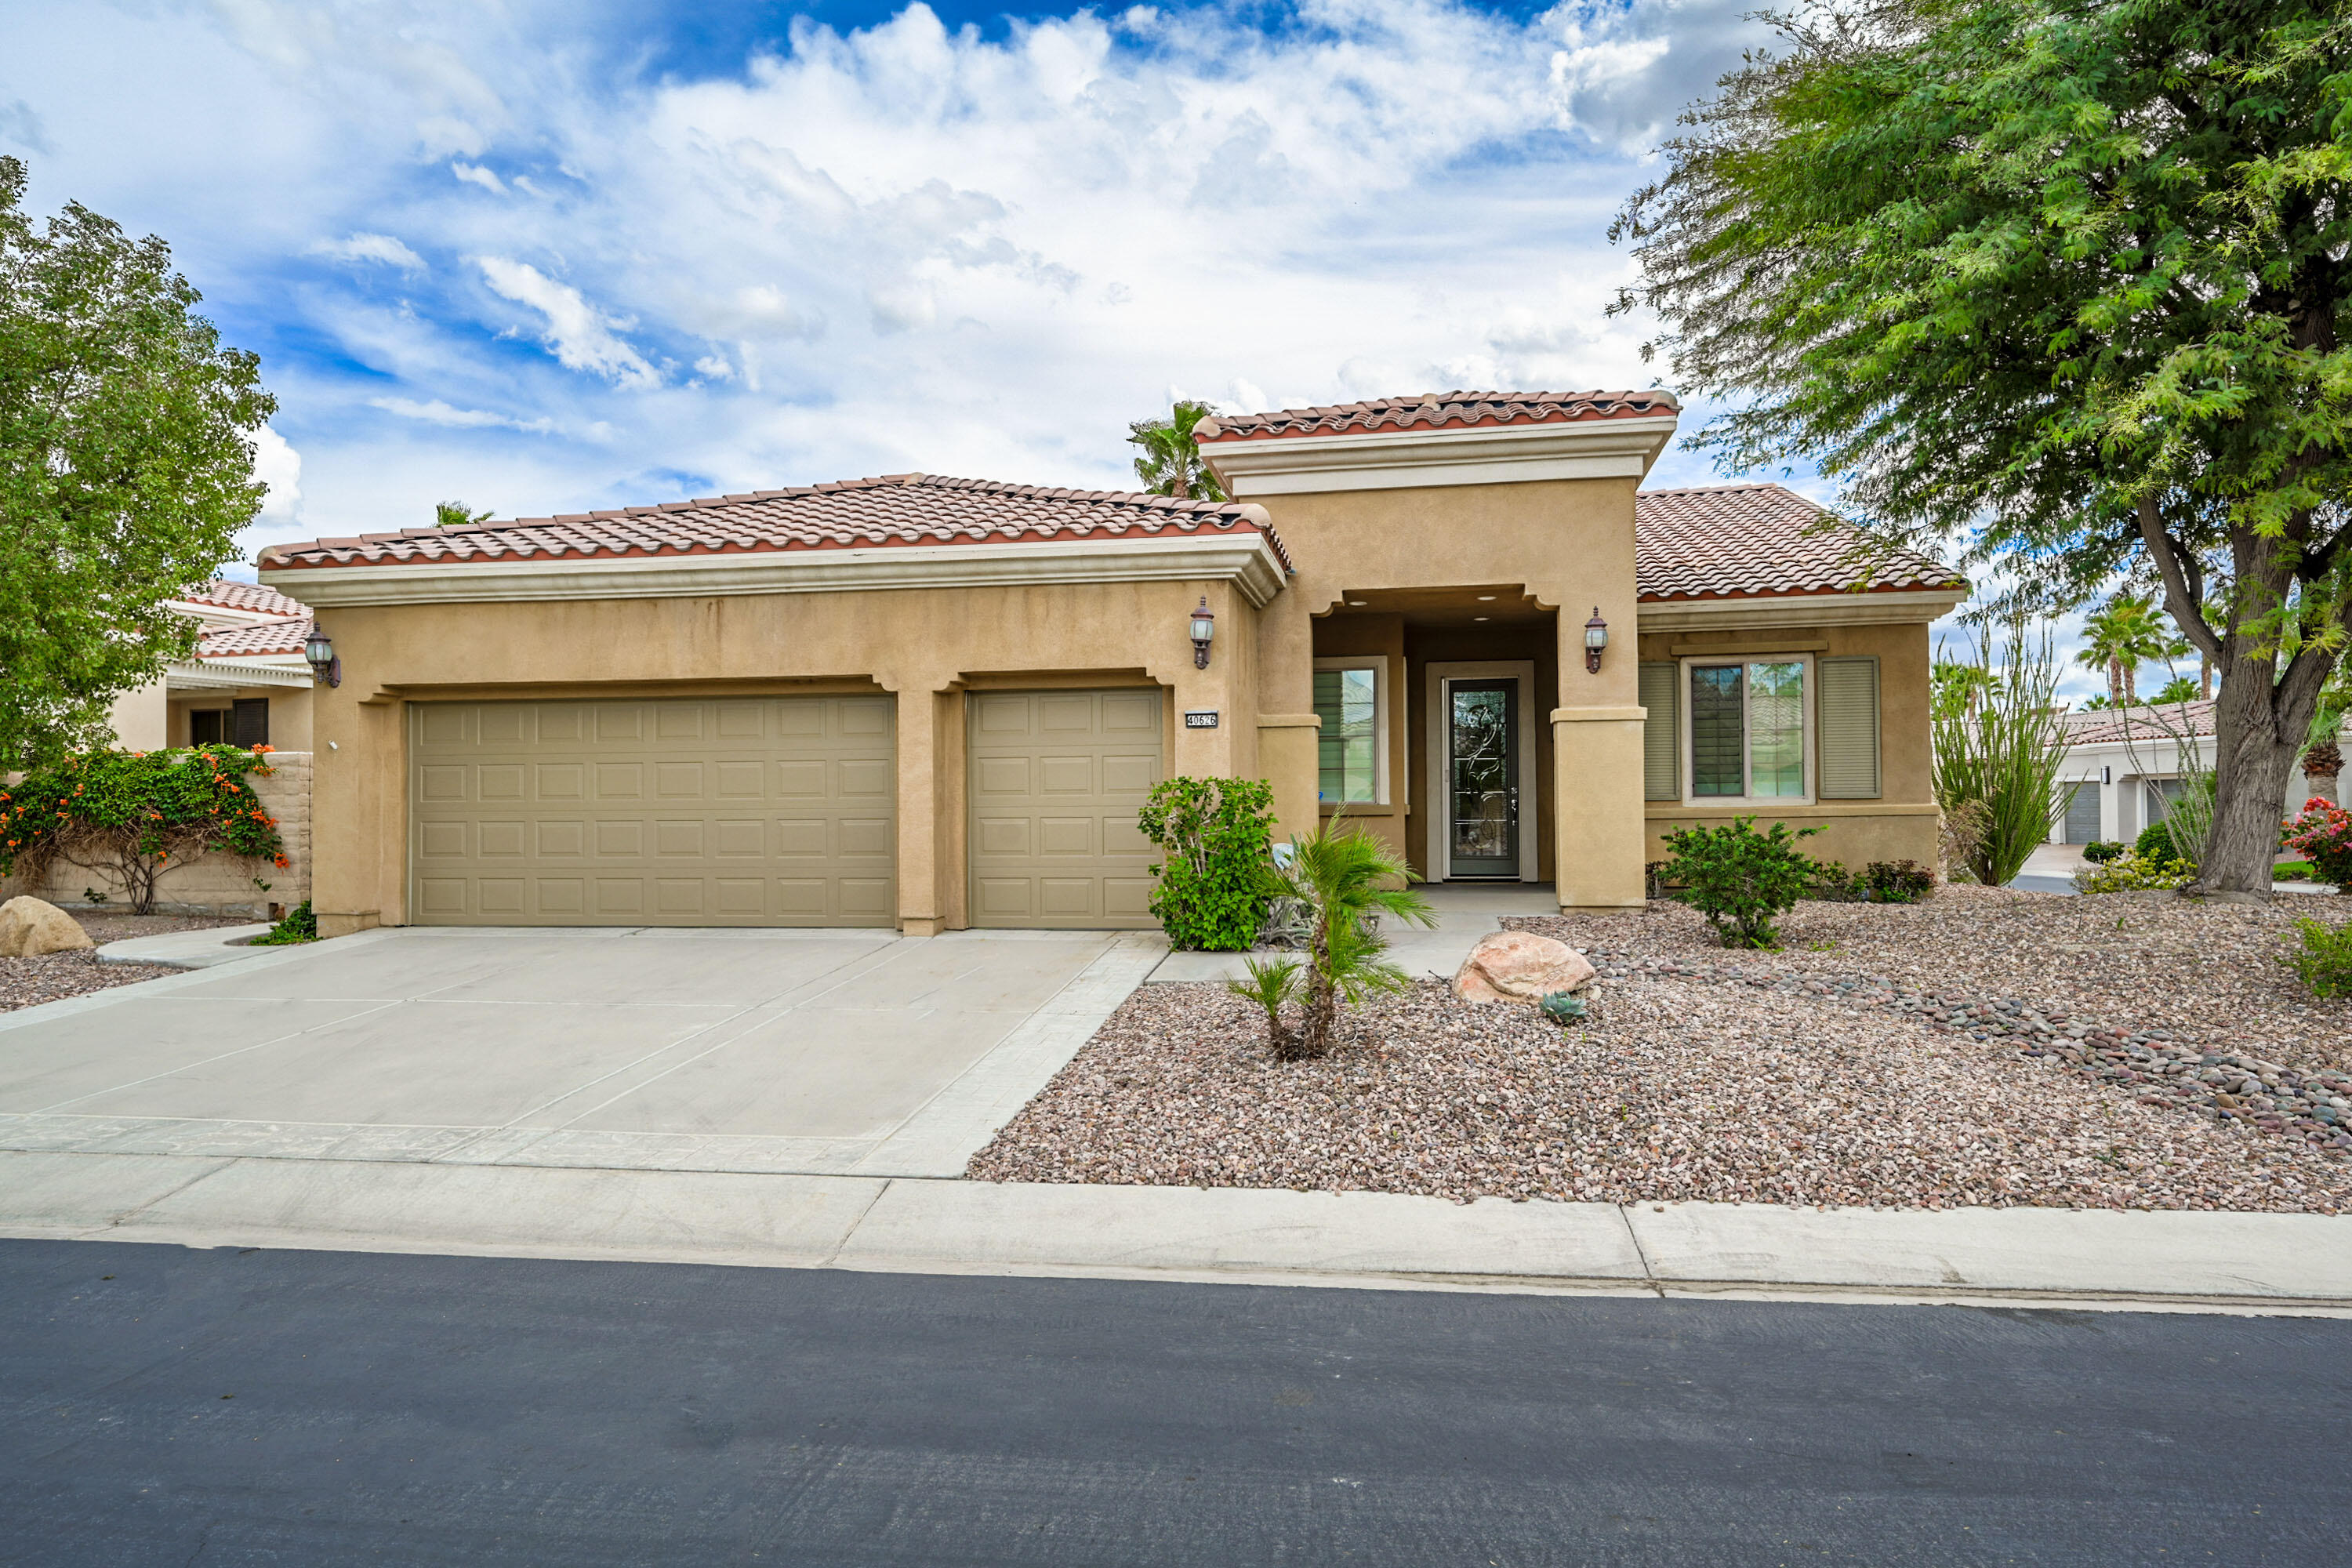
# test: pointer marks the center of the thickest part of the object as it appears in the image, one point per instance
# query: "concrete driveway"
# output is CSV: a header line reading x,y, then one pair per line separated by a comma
x,y
808,1051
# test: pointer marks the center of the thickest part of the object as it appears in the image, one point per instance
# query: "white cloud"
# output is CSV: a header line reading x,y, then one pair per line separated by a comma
x,y
440,413
475,174
579,336
378,247
906,246
278,465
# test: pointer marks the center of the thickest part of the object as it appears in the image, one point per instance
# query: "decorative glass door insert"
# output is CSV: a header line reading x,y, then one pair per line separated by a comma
x,y
1482,778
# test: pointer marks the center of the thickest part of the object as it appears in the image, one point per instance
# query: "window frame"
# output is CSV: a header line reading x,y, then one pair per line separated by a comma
x,y
1378,665
1810,722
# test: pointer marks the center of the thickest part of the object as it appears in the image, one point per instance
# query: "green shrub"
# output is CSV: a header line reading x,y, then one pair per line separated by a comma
x,y
2292,871
299,925
2324,959
1833,884
1897,881
1740,880
1218,875
2132,872
134,813
2099,851
2155,842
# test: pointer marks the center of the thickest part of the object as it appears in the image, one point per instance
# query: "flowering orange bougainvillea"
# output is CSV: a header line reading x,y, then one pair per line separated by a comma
x,y
132,812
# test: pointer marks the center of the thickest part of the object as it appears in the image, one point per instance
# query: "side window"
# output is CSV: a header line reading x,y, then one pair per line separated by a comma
x,y
1748,729
205,726
251,717
1349,700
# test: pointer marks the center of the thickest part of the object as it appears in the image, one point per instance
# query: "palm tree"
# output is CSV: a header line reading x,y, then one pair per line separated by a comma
x,y
2117,637
456,514
2179,689
1171,464
1346,879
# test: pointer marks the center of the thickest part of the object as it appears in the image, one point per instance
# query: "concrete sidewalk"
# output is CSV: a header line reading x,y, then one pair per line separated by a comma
x,y
1465,911
2165,1261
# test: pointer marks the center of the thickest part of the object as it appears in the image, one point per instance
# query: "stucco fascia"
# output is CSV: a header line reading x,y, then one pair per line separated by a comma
x,y
1248,560
1406,459
1760,610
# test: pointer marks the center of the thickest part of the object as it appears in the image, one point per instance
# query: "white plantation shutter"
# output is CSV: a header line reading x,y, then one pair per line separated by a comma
x,y
1661,774
1849,728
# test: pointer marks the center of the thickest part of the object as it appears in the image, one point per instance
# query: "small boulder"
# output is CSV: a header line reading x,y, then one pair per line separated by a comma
x,y
1519,966
30,927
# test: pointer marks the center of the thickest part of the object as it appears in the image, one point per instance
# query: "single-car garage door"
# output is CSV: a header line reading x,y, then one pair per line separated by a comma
x,y
1056,780
736,812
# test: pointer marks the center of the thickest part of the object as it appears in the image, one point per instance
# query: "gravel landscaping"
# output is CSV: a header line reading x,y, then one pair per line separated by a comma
x,y
52,977
1985,1048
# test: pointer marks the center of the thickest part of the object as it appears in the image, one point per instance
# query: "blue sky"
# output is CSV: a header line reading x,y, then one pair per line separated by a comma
x,y
547,256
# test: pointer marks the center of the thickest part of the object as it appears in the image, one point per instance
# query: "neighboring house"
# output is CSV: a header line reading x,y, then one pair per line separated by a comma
x,y
249,684
2123,770
935,704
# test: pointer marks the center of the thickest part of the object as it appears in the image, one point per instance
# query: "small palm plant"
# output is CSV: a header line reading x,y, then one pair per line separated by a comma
x,y
1346,879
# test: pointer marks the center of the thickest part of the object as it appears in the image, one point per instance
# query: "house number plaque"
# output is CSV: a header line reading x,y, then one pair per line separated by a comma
x,y
1200,719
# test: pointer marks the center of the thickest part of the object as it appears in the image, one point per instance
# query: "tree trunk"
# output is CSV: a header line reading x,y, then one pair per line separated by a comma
x,y
1315,1027
2114,683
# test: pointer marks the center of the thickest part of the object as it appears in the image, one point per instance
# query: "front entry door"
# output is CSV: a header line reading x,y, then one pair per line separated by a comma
x,y
1482,778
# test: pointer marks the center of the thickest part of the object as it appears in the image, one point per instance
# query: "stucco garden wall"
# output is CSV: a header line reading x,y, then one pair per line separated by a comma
x,y
218,884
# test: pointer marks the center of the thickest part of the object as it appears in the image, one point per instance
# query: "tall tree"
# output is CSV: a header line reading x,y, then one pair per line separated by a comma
x,y
2124,633
1170,463
2066,280
126,467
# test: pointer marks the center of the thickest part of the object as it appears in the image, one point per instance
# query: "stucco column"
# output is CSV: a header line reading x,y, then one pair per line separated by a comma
x,y
922,805
1598,836
358,833
1287,725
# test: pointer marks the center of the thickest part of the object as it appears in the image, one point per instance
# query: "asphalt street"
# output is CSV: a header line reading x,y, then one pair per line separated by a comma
x,y
198,1408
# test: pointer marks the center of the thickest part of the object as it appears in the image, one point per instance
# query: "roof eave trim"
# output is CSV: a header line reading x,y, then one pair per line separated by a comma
x,y
228,674
1867,608
1618,448
1247,559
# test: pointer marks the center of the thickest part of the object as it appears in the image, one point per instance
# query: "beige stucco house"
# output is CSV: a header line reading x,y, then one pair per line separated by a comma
x,y
247,685
936,703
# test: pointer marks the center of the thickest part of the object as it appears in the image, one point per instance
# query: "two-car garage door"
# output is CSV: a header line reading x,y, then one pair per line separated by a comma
x,y
770,811
744,811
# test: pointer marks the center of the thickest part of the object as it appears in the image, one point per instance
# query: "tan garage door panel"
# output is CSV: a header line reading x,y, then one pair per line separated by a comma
x,y
747,811
1056,780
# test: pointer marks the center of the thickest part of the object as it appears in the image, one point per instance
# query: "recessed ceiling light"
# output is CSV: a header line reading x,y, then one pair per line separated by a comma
x,y
1355,604
1481,618
1485,599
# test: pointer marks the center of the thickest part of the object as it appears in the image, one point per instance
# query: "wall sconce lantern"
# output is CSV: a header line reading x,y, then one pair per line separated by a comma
x,y
1205,627
1596,637
321,652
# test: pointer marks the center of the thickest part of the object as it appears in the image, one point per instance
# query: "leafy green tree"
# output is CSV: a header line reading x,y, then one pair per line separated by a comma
x,y
2067,280
126,467
1170,463
457,514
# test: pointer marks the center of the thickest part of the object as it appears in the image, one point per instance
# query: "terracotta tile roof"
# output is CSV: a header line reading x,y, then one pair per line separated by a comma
x,y
1439,411
250,642
913,510
1737,541
248,596
2140,723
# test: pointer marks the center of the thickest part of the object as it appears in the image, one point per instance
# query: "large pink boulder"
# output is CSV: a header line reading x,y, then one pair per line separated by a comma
x,y
1519,966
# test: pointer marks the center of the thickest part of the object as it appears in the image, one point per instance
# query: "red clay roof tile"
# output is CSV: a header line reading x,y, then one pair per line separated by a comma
x,y
1439,411
1732,541
893,510
249,596
248,642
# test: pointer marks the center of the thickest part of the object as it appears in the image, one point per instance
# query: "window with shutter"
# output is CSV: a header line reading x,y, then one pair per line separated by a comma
x,y
1662,777
252,720
1848,695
